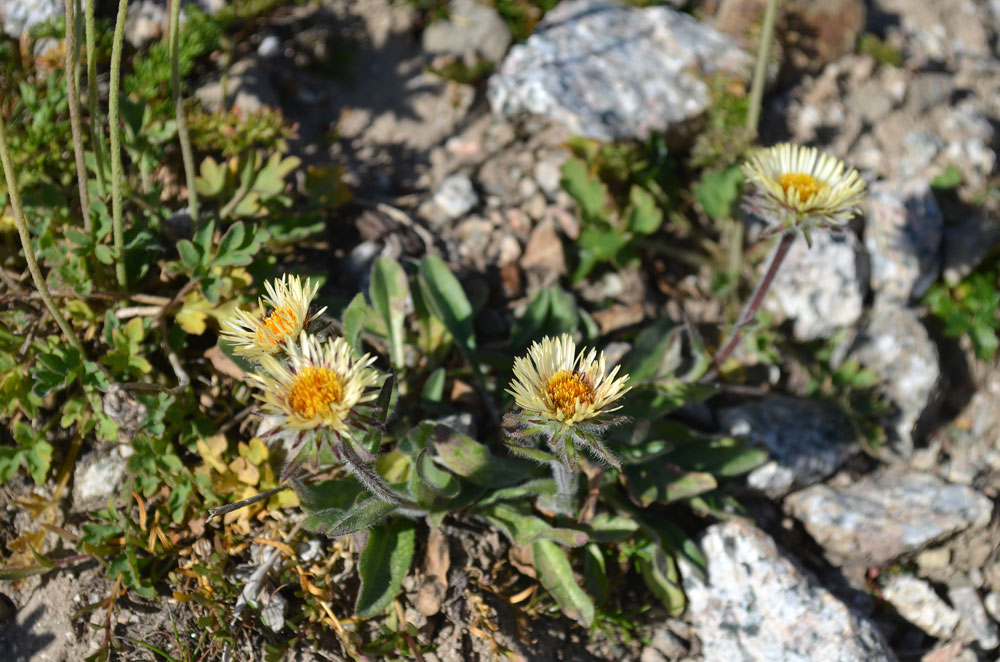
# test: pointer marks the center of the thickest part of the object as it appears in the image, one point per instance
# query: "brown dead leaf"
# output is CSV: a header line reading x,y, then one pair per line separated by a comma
x,y
437,560
523,559
618,317
223,363
544,251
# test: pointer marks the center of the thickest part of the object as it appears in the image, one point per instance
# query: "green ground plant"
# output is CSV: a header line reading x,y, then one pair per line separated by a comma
x,y
138,330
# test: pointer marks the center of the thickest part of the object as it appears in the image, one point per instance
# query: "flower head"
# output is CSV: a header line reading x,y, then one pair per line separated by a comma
x,y
555,383
286,315
801,187
317,389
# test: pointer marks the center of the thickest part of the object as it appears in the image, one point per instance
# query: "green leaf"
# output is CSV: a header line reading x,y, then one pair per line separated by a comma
x,y
606,527
433,390
38,461
353,318
556,575
597,245
659,571
720,457
55,368
104,254
586,189
551,312
336,523
472,460
595,574
950,178
389,292
335,494
446,299
384,563
718,190
529,488
656,400
524,528
642,215
651,353
663,483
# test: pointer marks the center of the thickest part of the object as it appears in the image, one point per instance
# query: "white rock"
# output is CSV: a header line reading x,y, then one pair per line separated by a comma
x,y
975,625
917,602
882,516
99,479
456,196
821,288
19,16
470,26
609,71
757,605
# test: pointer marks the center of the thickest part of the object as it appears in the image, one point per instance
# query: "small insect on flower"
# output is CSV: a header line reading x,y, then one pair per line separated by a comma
x,y
800,187
553,382
263,333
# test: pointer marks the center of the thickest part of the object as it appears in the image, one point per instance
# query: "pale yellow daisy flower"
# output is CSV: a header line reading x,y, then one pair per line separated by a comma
x,y
286,314
556,383
801,186
317,388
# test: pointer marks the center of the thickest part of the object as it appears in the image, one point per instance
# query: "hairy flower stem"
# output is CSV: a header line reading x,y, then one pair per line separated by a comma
x,y
73,92
760,69
187,154
116,152
95,134
565,478
29,251
756,299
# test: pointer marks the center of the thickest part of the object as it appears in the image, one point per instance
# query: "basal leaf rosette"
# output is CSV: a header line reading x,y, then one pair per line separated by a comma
x,y
315,394
280,317
800,187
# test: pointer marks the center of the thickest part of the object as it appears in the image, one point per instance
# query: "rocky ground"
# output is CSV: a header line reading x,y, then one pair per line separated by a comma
x,y
846,557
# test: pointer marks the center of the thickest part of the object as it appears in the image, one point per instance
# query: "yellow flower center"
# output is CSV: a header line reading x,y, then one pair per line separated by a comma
x,y
806,185
565,389
313,391
280,323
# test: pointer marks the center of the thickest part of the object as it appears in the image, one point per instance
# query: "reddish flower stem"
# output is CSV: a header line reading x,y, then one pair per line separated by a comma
x,y
750,311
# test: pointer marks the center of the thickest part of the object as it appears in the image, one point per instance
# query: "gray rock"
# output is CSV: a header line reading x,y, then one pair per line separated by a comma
x,y
974,625
878,518
807,440
609,71
968,240
145,21
758,605
992,604
916,601
470,26
99,478
19,16
821,288
248,88
971,441
896,347
920,148
456,196
903,231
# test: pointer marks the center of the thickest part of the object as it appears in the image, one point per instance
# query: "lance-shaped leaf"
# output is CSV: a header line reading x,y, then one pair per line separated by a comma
x,y
659,571
663,483
528,488
353,318
472,460
383,565
445,297
556,575
389,292
335,522
523,528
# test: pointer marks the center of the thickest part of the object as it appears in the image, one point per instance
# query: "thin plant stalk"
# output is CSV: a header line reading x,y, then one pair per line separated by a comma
x,y
95,132
756,299
187,154
116,152
29,252
760,68
73,92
